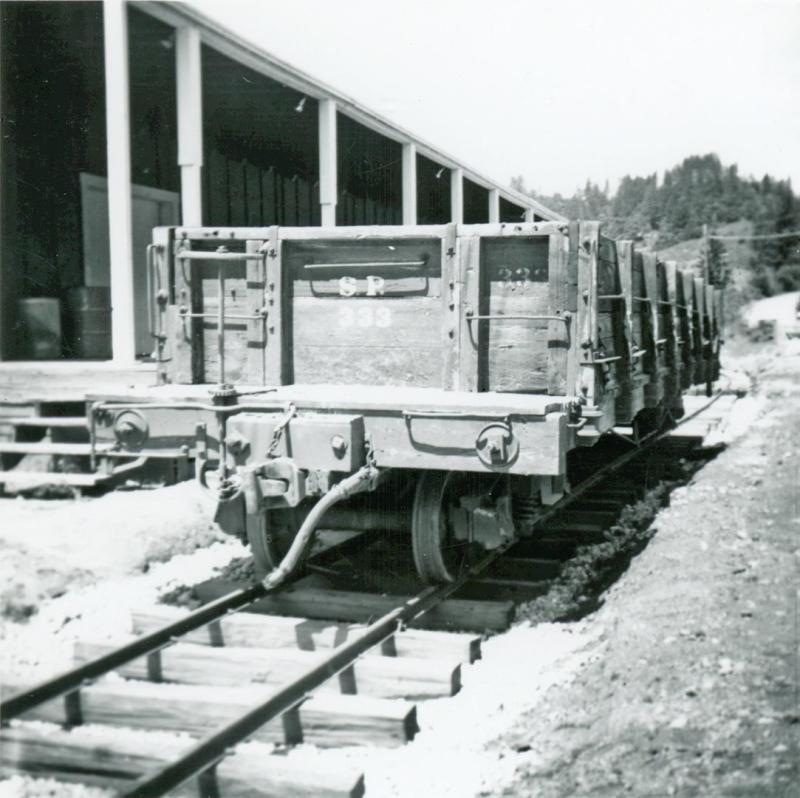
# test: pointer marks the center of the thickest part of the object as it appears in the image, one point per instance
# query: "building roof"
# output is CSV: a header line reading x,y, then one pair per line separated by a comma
x,y
225,41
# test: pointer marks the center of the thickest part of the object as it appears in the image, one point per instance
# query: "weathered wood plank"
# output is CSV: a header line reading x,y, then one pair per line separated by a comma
x,y
650,281
366,325
324,720
341,605
561,339
450,310
598,517
237,196
276,360
528,568
303,202
276,631
470,355
633,318
236,330
515,279
290,201
83,755
255,373
252,177
501,589
379,677
162,287
612,321
680,325
372,365
596,329
218,211
269,205
183,333
666,322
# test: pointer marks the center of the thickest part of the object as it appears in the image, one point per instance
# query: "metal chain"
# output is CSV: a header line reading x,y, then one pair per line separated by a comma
x,y
277,432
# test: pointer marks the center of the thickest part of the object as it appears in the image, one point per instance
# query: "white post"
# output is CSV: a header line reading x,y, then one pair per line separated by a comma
x,y
528,214
457,195
189,83
494,205
409,183
327,162
120,225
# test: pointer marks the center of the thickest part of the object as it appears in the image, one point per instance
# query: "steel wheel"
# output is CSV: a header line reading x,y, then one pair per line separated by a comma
x,y
270,535
438,556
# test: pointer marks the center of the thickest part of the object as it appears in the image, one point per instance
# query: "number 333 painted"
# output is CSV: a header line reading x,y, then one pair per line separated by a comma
x,y
361,316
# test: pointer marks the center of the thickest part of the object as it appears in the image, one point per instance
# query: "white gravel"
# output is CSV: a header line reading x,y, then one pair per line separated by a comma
x,y
110,555
453,756
42,646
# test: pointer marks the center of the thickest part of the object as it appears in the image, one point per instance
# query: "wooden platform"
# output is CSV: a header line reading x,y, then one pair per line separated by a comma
x,y
32,381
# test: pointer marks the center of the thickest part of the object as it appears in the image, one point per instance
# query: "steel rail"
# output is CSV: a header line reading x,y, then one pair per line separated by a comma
x,y
203,757
73,679
207,753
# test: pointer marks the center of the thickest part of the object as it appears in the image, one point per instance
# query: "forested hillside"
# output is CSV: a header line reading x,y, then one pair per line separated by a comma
x,y
701,190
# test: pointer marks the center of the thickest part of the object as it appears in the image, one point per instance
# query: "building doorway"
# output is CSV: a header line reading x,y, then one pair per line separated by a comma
x,y
152,207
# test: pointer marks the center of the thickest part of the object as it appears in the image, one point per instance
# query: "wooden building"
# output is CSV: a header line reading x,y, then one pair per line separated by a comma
x,y
121,116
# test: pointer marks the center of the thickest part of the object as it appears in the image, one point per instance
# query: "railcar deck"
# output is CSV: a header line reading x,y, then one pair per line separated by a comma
x,y
37,381
377,398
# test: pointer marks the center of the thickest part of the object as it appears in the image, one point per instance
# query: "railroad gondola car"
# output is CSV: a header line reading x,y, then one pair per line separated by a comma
x,y
423,378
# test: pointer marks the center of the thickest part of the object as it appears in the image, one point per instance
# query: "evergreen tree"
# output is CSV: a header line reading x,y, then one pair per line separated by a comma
x,y
698,191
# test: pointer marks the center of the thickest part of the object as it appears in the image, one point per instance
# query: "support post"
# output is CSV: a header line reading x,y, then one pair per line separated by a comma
x,y
457,196
327,162
120,223
409,183
494,205
529,214
188,66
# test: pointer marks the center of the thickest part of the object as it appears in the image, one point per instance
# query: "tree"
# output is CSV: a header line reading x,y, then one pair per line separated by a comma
x,y
700,190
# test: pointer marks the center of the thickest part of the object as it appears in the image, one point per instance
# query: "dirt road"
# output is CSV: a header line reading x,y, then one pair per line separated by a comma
x,y
693,686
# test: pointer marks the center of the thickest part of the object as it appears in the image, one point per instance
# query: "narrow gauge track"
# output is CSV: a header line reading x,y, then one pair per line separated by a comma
x,y
592,504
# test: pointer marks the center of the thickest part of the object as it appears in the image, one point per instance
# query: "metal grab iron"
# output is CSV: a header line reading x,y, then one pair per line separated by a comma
x,y
223,256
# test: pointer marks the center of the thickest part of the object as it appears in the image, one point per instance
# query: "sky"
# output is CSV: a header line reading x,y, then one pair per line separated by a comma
x,y
557,92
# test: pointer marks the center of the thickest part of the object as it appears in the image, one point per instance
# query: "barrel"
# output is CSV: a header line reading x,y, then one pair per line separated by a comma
x,y
40,328
89,314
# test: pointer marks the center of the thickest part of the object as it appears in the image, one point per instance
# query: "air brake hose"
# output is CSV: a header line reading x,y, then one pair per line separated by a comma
x,y
358,482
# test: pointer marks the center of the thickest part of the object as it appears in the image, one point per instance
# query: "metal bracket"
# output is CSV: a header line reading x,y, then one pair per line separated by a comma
x,y
409,415
406,264
470,316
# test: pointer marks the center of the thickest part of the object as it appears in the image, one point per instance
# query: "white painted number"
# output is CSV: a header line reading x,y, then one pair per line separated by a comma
x,y
511,278
364,317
